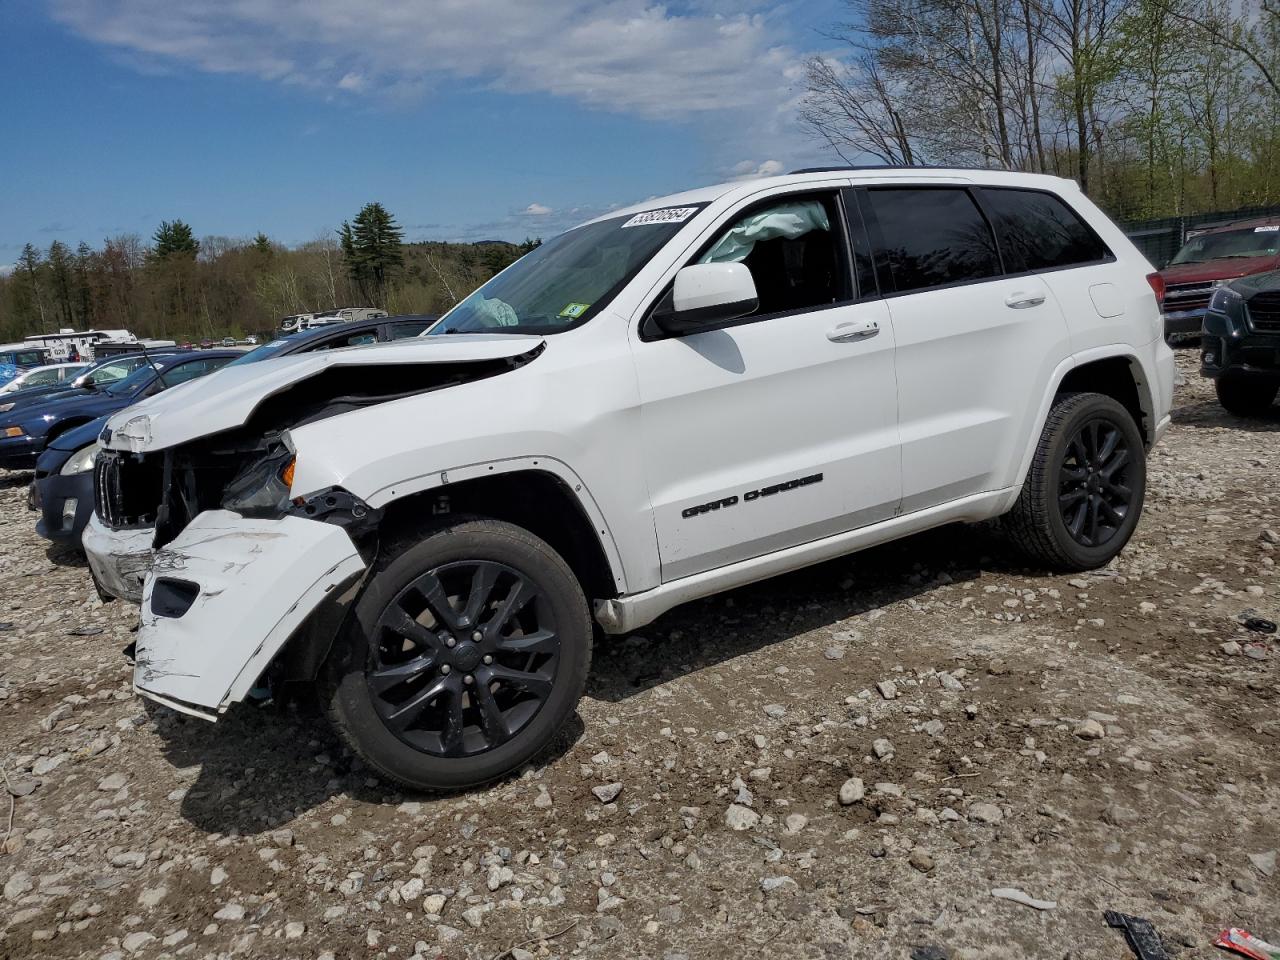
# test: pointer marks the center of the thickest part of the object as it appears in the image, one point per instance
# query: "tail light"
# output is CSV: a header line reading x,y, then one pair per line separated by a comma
x,y
1157,287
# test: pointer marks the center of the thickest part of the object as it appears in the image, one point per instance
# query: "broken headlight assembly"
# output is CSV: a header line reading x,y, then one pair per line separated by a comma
x,y
263,486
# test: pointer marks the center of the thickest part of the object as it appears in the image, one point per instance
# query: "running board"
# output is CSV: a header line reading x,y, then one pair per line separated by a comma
x,y
625,614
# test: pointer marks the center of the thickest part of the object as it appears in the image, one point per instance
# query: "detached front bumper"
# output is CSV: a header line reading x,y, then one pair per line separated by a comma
x,y
120,559
223,598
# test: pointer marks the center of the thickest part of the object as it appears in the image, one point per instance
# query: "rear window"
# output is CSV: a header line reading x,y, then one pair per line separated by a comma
x,y
1038,231
932,237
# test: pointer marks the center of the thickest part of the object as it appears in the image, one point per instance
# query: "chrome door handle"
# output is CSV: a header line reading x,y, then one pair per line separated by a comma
x,y
851,331
1020,301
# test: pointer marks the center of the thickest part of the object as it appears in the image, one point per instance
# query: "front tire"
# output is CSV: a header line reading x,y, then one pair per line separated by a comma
x,y
466,654
1083,495
1246,396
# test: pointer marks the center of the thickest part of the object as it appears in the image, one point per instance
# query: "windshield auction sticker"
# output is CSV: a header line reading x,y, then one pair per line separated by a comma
x,y
666,215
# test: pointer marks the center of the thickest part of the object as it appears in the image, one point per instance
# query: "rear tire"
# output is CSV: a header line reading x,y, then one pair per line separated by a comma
x,y
1246,396
1083,494
466,654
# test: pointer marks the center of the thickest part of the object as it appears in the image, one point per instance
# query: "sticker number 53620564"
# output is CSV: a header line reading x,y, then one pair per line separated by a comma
x,y
665,215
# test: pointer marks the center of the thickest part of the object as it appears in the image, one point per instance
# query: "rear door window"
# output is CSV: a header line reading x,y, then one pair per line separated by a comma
x,y
930,237
1038,231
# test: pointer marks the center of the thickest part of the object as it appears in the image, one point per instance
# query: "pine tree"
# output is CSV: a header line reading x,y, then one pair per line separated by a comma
x,y
372,250
173,237
262,245
60,279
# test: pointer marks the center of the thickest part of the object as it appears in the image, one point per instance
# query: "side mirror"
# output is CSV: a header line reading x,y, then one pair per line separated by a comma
x,y
706,296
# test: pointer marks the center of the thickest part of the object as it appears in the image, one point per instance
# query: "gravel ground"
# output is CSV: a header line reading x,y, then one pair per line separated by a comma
x,y
843,762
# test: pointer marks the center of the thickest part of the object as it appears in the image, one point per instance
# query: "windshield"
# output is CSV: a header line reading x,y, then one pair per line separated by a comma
x,y
563,282
1249,242
264,352
136,380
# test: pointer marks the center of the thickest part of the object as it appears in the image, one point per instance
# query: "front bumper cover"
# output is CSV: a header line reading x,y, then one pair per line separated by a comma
x,y
222,599
120,559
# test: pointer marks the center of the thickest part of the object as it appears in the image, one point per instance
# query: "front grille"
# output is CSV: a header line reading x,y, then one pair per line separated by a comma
x,y
1187,296
1264,311
126,490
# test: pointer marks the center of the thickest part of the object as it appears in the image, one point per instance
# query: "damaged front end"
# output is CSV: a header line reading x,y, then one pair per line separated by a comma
x,y
241,562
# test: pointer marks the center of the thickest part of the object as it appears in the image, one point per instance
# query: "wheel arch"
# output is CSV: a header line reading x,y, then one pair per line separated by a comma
x,y
535,496
1115,371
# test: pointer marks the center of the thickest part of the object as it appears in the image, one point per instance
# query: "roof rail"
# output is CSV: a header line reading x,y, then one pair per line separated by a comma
x,y
896,166
842,167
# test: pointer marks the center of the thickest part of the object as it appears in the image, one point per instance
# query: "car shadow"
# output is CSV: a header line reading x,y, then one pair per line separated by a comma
x,y
706,632
262,766
16,478
65,555
1208,412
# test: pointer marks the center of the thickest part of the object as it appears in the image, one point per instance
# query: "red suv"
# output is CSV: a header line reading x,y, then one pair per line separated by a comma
x,y
1214,255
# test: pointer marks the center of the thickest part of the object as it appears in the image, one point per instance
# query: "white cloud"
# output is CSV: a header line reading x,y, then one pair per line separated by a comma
x,y
354,82
537,210
694,62
749,169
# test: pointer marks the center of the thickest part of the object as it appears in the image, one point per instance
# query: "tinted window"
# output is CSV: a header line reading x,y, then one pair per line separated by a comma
x,y
794,250
932,237
400,331
364,338
192,369
1037,231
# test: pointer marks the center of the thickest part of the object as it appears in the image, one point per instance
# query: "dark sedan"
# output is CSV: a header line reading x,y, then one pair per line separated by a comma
x,y
63,487
99,376
25,433
62,491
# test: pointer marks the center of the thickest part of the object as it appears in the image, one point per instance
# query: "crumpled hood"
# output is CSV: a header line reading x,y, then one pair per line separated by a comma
x,y
227,398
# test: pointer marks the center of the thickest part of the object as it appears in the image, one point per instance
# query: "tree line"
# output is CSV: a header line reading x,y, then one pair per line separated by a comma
x,y
1156,107
178,287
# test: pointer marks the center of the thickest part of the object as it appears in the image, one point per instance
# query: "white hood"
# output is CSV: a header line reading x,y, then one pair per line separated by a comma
x,y
226,398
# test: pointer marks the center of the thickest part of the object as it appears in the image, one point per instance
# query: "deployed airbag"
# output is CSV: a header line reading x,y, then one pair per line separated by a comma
x,y
787,222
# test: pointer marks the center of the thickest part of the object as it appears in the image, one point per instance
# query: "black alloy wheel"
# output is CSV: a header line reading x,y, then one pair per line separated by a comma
x,y
464,657
1082,496
1093,490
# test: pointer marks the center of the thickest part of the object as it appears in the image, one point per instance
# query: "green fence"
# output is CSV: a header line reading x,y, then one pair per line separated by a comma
x,y
1160,239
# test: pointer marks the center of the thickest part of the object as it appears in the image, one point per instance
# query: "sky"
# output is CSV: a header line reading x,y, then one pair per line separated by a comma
x,y
467,119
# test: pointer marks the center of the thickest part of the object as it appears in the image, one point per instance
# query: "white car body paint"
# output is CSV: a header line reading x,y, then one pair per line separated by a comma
x,y
258,581
911,424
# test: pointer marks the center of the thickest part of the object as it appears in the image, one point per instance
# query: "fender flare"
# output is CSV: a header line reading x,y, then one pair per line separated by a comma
x,y
1112,351
438,479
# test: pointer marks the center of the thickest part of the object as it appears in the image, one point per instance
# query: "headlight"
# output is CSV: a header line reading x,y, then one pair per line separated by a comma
x,y
1224,300
81,461
6,407
263,487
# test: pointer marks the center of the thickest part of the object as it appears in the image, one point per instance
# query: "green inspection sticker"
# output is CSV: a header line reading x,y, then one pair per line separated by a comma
x,y
574,310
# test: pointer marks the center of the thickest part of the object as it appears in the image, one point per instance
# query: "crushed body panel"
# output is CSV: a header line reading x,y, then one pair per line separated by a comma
x,y
120,559
251,583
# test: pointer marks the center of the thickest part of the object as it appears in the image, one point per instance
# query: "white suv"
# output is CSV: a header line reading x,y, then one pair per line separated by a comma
x,y
666,402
